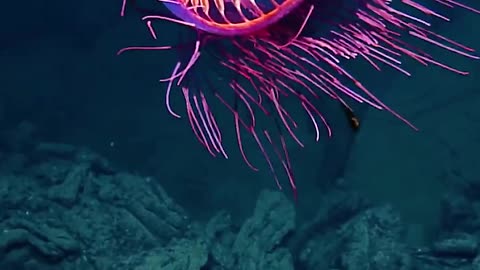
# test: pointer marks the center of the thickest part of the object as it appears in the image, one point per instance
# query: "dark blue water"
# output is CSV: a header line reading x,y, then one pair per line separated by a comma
x,y
95,174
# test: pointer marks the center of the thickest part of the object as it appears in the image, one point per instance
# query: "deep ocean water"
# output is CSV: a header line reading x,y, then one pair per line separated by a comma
x,y
95,174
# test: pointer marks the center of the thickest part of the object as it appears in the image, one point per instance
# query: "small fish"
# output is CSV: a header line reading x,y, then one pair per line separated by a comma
x,y
352,118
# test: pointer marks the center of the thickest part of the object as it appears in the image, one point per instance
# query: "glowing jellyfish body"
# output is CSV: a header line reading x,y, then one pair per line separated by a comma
x,y
292,49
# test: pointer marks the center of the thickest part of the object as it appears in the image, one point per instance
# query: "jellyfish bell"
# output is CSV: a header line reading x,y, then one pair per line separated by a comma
x,y
233,17
271,53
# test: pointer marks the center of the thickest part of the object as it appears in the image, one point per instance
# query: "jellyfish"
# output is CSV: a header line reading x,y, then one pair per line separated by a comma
x,y
254,56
